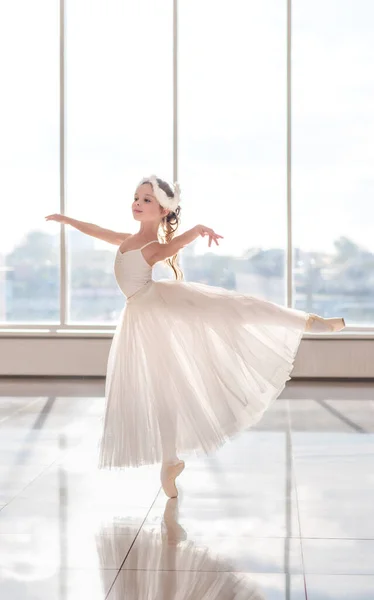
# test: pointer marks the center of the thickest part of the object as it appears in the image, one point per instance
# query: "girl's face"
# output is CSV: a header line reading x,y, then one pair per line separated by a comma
x,y
145,206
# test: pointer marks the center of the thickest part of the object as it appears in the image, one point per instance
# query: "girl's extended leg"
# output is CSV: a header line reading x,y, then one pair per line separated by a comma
x,y
264,312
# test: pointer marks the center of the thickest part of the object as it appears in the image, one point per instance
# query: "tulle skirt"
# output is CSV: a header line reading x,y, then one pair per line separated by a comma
x,y
193,362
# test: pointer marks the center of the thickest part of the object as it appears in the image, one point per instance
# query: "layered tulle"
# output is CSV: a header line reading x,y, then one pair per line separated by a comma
x,y
206,360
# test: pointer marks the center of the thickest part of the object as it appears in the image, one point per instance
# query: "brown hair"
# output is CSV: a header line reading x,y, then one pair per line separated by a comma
x,y
168,226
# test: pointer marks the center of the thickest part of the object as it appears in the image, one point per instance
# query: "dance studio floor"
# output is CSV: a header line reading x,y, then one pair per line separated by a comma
x,y
283,512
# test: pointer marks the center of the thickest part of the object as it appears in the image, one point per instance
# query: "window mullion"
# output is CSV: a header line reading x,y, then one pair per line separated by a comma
x,y
289,274
63,261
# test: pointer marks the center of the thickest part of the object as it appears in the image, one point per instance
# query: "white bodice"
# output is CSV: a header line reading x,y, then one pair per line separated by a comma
x,y
131,270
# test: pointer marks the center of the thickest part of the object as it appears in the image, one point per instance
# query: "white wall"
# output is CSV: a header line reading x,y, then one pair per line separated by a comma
x,y
66,355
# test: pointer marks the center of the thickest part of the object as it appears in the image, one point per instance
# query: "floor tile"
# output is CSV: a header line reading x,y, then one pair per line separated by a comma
x,y
335,557
338,518
32,516
340,587
63,549
43,583
137,487
310,416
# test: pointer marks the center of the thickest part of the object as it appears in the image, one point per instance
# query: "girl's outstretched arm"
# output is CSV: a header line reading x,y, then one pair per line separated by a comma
x,y
113,237
180,241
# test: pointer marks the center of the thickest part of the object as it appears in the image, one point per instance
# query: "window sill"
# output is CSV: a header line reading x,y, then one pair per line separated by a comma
x,y
350,333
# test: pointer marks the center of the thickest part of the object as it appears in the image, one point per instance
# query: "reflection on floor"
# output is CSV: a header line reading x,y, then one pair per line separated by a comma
x,y
283,512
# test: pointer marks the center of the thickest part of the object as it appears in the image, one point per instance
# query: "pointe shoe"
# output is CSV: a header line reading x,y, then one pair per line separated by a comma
x,y
319,324
168,475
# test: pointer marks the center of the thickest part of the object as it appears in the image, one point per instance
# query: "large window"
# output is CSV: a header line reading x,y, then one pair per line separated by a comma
x,y
232,150
119,107
268,127
333,157
29,161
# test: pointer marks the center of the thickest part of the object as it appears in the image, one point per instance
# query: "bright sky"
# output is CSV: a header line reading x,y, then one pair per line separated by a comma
x,y
232,116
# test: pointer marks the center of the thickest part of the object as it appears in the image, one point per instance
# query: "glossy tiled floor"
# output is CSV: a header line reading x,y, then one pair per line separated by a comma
x,y
283,512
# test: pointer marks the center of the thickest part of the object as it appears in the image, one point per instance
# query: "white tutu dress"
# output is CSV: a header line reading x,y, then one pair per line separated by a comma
x,y
189,363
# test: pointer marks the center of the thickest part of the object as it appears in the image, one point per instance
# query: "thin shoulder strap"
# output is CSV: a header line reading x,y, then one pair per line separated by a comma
x,y
148,244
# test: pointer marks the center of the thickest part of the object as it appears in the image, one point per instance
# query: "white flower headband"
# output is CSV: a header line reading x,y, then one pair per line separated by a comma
x,y
162,197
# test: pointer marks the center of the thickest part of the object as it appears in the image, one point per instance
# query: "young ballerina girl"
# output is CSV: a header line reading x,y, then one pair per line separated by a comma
x,y
190,365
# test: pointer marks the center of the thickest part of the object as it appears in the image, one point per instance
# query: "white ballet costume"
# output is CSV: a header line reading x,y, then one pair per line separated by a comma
x,y
190,365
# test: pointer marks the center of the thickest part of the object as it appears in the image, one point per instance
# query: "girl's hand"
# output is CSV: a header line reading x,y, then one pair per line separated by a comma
x,y
57,217
203,231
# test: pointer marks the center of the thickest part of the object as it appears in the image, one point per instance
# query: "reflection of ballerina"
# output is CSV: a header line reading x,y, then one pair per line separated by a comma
x,y
190,364
165,565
